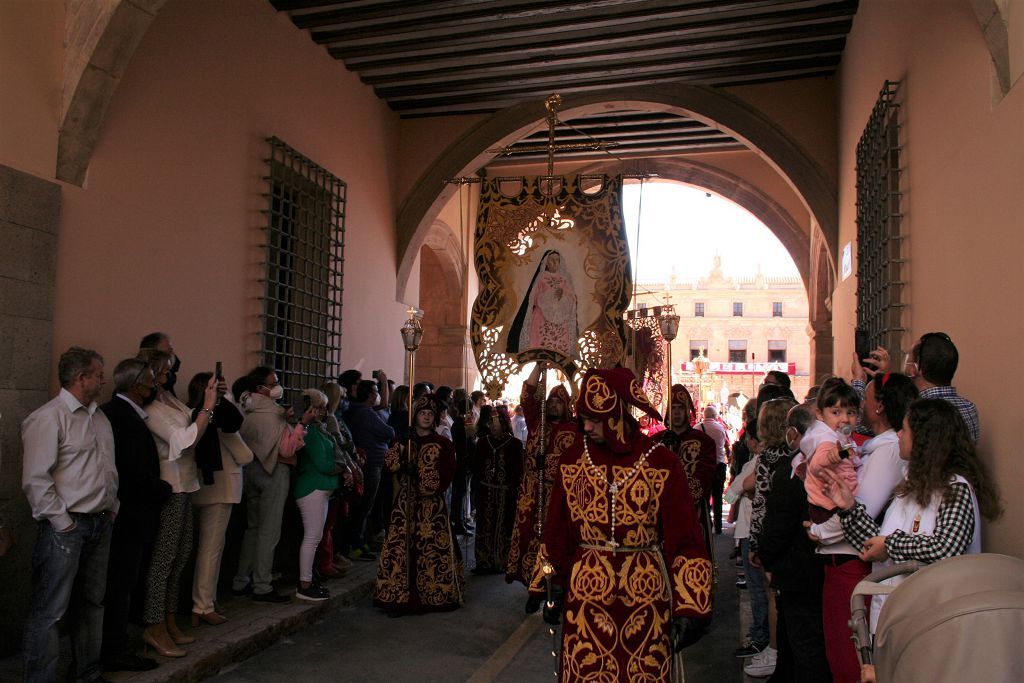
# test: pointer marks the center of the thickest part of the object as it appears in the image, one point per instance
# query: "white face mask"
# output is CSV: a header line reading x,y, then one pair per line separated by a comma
x,y
277,393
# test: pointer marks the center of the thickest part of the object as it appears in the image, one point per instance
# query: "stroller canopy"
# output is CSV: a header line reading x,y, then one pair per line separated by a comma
x,y
960,619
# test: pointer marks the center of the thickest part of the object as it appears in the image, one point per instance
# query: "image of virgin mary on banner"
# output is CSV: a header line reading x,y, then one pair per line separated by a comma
x,y
547,317
553,266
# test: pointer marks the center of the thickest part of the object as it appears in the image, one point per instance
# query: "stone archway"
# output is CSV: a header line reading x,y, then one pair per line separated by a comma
x,y
725,111
442,357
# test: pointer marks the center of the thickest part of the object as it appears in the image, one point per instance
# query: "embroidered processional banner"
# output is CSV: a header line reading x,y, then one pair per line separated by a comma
x,y
553,267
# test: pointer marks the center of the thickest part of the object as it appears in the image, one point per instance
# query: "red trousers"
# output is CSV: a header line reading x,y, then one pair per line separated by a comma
x,y
840,580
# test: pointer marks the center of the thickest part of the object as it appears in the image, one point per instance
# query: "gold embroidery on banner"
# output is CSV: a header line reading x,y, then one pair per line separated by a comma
x,y
509,232
692,579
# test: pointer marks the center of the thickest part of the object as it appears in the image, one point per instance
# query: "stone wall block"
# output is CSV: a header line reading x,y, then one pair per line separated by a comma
x,y
28,254
29,201
26,299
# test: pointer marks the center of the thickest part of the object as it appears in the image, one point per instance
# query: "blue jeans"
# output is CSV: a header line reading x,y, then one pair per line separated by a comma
x,y
758,631
69,570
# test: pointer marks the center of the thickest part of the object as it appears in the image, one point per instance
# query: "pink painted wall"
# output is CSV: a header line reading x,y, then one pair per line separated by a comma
x,y
964,173
165,235
31,63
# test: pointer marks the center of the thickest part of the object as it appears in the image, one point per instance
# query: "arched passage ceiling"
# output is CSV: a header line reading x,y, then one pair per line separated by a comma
x,y
712,106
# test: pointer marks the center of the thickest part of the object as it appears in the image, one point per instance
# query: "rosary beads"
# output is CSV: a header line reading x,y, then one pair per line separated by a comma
x,y
615,486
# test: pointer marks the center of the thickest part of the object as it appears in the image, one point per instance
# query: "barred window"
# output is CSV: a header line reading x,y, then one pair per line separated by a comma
x,y
776,309
697,346
698,309
737,309
776,350
880,273
305,226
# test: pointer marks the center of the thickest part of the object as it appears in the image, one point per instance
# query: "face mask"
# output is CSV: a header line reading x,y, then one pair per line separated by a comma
x,y
277,393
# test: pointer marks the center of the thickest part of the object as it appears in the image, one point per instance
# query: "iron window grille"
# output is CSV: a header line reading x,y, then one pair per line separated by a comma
x,y
880,272
305,226
698,309
737,309
776,309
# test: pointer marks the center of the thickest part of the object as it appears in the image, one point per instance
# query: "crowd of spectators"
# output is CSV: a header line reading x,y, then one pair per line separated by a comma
x,y
876,470
862,474
129,494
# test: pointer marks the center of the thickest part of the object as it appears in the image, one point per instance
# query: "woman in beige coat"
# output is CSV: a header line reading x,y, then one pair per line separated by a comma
x,y
214,502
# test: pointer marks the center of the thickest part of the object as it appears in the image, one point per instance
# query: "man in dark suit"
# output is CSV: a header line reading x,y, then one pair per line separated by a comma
x,y
141,492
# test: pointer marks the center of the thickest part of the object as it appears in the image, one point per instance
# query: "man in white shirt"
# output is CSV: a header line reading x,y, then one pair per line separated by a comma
x,y
713,428
70,480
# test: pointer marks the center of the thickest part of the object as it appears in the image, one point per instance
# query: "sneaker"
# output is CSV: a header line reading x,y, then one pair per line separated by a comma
x,y
749,649
363,554
762,665
272,596
312,593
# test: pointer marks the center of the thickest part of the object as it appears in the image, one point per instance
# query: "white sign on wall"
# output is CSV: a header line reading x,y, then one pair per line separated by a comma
x,y
846,261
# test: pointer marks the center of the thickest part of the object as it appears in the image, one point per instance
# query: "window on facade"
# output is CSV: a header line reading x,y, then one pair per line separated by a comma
x,y
737,350
737,309
698,309
776,351
305,228
695,347
880,274
776,309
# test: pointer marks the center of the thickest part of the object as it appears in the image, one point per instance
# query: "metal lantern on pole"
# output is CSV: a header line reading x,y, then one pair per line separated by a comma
x,y
412,335
669,324
701,365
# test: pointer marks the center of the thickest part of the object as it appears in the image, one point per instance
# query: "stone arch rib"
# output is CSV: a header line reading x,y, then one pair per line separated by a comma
x,y
101,39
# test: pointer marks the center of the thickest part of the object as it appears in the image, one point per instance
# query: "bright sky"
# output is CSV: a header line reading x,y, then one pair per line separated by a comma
x,y
683,228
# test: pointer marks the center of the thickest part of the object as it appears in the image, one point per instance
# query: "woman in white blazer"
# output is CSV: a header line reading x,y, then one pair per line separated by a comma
x,y
214,502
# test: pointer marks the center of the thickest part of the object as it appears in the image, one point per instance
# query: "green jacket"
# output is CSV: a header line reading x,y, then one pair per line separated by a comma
x,y
315,464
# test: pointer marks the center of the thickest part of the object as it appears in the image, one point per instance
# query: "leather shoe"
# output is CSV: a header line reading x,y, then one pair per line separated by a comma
x,y
272,596
211,618
128,662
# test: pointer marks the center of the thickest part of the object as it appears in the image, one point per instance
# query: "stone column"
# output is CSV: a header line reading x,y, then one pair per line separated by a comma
x,y
29,216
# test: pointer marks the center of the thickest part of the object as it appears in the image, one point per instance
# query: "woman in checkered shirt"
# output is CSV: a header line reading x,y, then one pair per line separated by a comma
x,y
934,513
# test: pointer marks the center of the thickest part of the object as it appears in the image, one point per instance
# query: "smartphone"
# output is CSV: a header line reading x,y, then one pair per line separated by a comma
x,y
862,345
374,374
218,371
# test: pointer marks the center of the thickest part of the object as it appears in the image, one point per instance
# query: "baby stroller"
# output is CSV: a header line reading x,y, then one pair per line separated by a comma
x,y
956,620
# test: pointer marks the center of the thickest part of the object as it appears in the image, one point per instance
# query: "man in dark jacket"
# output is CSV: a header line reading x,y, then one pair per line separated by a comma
x,y
142,492
797,573
373,435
